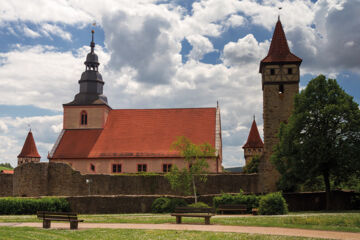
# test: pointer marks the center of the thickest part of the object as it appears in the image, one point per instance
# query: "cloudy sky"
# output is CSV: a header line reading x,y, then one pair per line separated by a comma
x,y
161,54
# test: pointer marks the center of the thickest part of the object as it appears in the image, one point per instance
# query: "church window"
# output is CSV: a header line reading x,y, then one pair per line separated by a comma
x,y
116,168
290,71
142,168
281,88
272,71
83,118
167,167
92,167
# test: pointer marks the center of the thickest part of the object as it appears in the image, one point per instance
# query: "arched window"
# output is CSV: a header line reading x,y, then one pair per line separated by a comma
x,y
83,118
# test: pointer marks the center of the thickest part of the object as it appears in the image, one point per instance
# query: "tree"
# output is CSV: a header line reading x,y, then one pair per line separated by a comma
x,y
253,165
196,157
321,138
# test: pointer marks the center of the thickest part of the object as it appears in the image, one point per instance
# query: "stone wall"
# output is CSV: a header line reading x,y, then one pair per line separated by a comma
x,y
59,179
6,185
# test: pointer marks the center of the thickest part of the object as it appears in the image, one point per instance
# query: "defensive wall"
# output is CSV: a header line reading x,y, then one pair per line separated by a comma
x,y
59,179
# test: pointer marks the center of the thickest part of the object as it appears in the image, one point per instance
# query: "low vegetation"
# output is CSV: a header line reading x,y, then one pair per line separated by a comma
x,y
345,221
17,233
250,200
273,204
12,205
167,205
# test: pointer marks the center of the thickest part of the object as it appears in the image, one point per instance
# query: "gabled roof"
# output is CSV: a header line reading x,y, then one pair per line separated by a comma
x,y
29,149
279,49
254,139
140,133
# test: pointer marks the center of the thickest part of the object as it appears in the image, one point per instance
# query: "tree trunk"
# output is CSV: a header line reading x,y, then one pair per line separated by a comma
x,y
194,187
327,189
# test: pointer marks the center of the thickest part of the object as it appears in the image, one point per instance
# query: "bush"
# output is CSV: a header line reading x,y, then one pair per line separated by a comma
x,y
15,206
199,205
273,204
250,200
166,205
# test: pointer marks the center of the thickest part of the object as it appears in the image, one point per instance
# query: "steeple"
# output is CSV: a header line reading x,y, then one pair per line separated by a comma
x,y
254,139
29,152
91,83
279,52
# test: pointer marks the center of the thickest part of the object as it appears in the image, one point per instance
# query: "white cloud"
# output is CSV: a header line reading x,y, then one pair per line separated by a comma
x,y
30,33
201,46
49,29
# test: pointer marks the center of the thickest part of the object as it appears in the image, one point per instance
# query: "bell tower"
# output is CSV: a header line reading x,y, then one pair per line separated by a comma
x,y
280,71
89,109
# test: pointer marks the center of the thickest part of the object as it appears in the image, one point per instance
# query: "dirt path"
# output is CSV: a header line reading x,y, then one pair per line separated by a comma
x,y
208,228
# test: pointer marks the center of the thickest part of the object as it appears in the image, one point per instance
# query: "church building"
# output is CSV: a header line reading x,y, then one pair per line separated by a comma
x,y
97,139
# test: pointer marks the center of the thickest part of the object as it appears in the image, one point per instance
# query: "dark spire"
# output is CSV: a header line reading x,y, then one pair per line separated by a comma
x,y
91,83
29,149
254,139
279,51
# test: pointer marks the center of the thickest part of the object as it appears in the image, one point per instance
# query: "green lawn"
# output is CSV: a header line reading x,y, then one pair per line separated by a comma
x,y
27,233
346,221
5,168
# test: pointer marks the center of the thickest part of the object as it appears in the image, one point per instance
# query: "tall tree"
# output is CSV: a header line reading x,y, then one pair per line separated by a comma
x,y
196,157
321,138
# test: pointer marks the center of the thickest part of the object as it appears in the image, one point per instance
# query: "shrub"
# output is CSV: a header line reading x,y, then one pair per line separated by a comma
x,y
250,200
199,205
273,204
166,205
11,205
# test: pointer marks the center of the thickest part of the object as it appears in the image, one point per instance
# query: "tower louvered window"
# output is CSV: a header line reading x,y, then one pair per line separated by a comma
x,y
83,118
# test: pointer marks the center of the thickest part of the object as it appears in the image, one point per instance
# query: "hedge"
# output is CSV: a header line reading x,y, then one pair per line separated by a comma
x,y
167,205
16,206
273,204
251,201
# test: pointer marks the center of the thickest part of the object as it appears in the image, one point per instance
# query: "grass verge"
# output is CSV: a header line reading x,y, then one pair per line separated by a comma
x,y
347,222
27,233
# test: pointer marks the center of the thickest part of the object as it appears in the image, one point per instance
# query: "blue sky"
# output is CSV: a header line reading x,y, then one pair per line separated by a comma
x,y
157,54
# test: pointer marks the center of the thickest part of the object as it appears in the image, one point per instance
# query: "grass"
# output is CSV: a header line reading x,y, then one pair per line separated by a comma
x,y
345,221
5,168
27,233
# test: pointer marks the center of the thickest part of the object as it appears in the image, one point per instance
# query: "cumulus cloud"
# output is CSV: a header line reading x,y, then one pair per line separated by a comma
x,y
50,29
30,33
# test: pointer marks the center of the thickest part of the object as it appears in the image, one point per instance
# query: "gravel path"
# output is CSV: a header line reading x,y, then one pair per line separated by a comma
x,y
208,228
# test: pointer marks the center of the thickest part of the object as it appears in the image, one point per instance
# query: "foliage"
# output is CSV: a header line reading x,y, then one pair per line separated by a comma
x,y
199,205
253,165
250,200
322,138
273,204
6,166
196,157
12,205
167,205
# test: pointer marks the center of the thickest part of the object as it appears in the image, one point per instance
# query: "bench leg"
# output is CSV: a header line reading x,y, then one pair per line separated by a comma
x,y
73,225
178,219
46,223
207,220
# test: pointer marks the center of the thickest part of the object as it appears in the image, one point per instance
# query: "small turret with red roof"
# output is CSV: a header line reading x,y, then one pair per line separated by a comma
x,y
29,152
254,144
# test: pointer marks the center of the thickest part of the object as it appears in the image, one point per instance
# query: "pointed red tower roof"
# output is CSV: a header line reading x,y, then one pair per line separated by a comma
x,y
254,139
29,149
279,51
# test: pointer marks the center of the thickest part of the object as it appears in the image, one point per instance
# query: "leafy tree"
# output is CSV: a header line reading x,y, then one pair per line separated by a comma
x,y
196,157
321,138
253,166
6,165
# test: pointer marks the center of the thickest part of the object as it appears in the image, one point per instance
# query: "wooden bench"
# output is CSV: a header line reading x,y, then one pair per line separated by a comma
x,y
47,217
206,213
234,208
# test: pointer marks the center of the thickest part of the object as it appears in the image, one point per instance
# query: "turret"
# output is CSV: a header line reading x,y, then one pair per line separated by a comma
x,y
254,145
29,152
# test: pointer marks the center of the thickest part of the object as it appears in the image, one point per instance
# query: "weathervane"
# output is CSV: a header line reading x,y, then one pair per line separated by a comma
x,y
279,13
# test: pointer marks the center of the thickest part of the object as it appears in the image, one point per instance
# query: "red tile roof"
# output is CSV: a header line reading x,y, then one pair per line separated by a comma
x,y
140,133
279,50
254,139
7,171
29,149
